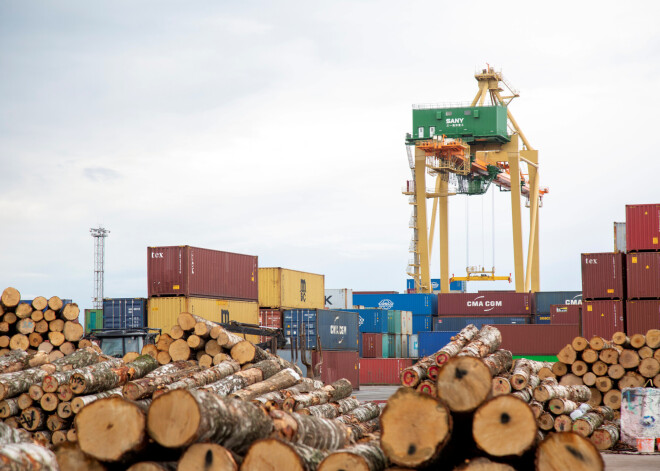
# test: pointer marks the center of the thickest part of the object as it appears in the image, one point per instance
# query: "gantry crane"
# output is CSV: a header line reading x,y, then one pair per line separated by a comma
x,y
466,149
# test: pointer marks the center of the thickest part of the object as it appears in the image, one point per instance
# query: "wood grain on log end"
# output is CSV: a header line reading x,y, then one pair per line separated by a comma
x,y
504,426
174,418
207,456
579,343
71,458
10,297
464,383
414,428
272,453
483,464
567,450
153,466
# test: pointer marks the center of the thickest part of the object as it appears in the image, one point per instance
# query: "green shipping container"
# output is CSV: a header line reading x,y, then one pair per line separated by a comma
x,y
476,123
394,347
93,319
386,345
394,323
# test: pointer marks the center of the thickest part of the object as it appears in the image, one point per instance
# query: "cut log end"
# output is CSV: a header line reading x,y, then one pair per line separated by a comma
x,y
504,426
71,458
272,453
10,297
563,451
207,456
173,418
484,464
464,383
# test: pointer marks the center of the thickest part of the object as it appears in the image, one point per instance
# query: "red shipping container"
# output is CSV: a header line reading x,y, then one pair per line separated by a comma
x,y
566,314
642,316
192,271
602,318
603,276
643,275
537,339
269,318
505,303
383,371
337,365
642,227
372,345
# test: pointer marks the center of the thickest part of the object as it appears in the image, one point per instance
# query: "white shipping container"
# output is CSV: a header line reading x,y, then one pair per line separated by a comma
x,y
620,237
406,322
339,298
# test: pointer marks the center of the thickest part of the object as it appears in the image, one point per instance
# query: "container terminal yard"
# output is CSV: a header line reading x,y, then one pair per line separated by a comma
x,y
223,362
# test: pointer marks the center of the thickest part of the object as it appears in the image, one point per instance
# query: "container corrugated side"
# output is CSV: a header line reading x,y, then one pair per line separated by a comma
x,y
385,347
430,342
198,272
451,323
372,345
93,319
485,303
642,227
544,299
339,298
405,339
394,348
454,286
642,316
270,318
422,323
297,322
383,371
337,365
643,275
337,330
406,322
620,237
372,320
290,289
603,275
124,313
394,322
603,318
415,303
565,314
541,319
163,312
533,339
413,346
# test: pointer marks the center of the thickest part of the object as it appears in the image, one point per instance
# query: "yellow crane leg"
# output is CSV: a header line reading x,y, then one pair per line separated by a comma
x,y
422,233
533,268
516,218
443,229
433,213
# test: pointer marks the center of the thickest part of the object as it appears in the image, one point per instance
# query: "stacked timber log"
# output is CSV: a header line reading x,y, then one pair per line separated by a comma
x,y
47,329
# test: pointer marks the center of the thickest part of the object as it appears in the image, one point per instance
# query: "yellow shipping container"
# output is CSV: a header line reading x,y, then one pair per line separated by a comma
x,y
163,312
280,288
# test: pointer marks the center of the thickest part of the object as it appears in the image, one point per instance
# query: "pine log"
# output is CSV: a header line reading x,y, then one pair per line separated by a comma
x,y
631,379
483,464
163,358
596,397
653,338
37,315
598,343
589,355
71,458
615,372
55,303
599,368
579,368
280,380
208,457
559,368
9,317
195,342
67,347
456,345
164,342
546,392
10,298
56,338
164,375
589,378
567,355
414,428
229,422
331,392
201,378
273,453
212,348
53,381
111,429
70,312
612,399
91,382
620,338
645,352
488,340
604,384
637,341
504,426
32,419
579,343
570,380
19,342
500,385
73,331
593,419
205,361
331,410
610,354
605,436
560,406
360,457
176,332
179,350
9,408
49,315
56,325
464,382
563,423
649,367
77,403
245,352
27,457
4,342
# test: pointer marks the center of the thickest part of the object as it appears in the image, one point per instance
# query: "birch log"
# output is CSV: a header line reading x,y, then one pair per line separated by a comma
x,y
456,345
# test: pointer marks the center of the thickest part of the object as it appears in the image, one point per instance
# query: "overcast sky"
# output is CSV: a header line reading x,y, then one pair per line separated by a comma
x,y
277,129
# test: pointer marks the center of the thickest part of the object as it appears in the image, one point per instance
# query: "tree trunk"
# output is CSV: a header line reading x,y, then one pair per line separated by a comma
x,y
653,338
10,298
311,431
49,402
413,375
246,352
360,457
456,345
567,355
612,399
488,340
610,355
331,410
593,419
280,380
499,362
64,393
500,386
629,359
54,423
32,419
604,384
201,378
525,395
596,397
606,436
77,403
537,408
11,435
361,414
179,350
55,304
363,430
64,410
19,360
563,423
545,421
504,426
164,375
637,341
9,408
620,338
559,368
73,331
306,385
545,392
414,428
631,379
560,406
464,383
523,370
207,457
649,367
599,368
330,392
43,438
579,344
111,429
71,458
27,457
273,453
90,382
232,423
52,382
19,342
579,368
614,371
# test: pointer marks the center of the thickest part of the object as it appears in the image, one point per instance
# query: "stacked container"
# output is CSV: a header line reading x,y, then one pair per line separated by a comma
x,y
93,319
124,313
339,298
604,294
281,288
454,286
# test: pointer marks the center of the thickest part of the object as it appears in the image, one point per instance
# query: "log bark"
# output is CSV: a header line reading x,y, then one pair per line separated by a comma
x,y
499,362
27,457
77,403
244,378
332,410
273,453
71,458
464,383
280,380
91,382
606,436
360,457
560,406
311,431
207,457
232,423
306,385
111,429
504,426
19,360
9,408
414,428
427,387
589,422
331,392
488,340
546,392
201,378
456,345
523,371
52,382
164,375
12,435
526,395
417,373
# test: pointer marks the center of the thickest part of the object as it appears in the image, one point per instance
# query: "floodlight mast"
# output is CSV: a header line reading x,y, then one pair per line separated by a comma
x,y
99,234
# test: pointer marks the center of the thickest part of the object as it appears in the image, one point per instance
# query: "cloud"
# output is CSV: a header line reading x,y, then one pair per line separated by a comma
x,y
101,174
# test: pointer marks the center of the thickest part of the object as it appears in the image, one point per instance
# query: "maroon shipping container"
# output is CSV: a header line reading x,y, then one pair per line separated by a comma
x,y
372,345
566,314
269,318
485,303
642,227
337,365
191,271
537,339
642,316
602,318
643,275
383,371
603,275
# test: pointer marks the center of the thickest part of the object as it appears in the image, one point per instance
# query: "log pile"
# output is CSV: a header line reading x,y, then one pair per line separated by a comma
x,y
47,329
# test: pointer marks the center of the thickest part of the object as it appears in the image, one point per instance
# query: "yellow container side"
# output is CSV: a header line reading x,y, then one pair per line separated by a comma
x,y
163,312
280,288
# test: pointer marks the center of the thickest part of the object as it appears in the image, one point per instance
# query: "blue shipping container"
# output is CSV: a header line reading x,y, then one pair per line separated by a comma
x,y
542,319
422,323
441,324
124,313
297,321
430,342
372,321
458,286
545,299
338,330
415,303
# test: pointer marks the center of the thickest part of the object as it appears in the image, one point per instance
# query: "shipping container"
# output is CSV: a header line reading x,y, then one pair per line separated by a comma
x,y
603,275
643,275
337,330
642,227
544,299
336,365
454,286
405,352
542,319
394,349
372,320
373,292
603,318
566,314
269,318
385,347
451,323
533,339
413,346
164,312
415,303
124,313
196,272
290,289
422,323
430,342
487,303
296,359
394,322
620,237
642,316
299,322
476,123
339,298
406,322
93,319
372,345
383,371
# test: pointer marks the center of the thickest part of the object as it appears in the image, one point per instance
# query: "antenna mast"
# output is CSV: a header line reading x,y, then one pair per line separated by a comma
x,y
99,234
